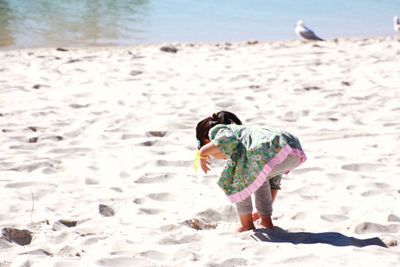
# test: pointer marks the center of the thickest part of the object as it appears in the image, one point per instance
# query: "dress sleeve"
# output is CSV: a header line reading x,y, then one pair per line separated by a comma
x,y
223,137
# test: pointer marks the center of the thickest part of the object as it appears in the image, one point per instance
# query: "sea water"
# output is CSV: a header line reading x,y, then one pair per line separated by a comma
x,y
43,23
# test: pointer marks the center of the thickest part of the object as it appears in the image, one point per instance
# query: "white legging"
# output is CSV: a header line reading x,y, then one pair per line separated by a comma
x,y
263,196
263,200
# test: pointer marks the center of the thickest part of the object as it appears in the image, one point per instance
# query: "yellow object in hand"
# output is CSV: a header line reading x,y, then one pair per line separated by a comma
x,y
196,161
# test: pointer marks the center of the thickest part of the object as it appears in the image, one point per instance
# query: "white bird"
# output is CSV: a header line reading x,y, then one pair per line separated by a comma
x,y
305,32
396,24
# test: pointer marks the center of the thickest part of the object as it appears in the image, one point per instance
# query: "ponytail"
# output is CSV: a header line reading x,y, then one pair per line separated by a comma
x,y
226,117
204,126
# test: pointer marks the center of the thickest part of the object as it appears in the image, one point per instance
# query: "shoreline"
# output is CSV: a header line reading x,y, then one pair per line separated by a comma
x,y
191,44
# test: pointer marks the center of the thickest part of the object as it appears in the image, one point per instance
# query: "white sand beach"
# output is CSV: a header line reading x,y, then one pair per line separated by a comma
x,y
84,128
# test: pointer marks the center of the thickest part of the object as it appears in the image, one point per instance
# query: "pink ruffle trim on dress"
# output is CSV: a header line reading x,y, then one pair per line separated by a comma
x,y
285,152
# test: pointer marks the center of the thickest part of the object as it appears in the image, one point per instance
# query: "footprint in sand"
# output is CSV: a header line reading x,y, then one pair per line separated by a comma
x,y
173,163
37,252
92,239
162,196
139,201
150,178
129,136
29,167
369,227
117,189
91,181
299,216
119,261
60,237
232,262
334,217
154,254
106,210
172,240
361,167
374,192
393,218
380,185
169,228
29,184
21,237
156,133
149,211
148,143
49,171
68,251
351,187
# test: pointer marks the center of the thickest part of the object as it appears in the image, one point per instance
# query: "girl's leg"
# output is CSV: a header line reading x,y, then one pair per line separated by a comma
x,y
245,209
263,198
274,193
274,183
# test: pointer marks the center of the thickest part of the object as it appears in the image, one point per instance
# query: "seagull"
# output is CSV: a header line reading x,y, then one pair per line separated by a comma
x,y
396,24
305,32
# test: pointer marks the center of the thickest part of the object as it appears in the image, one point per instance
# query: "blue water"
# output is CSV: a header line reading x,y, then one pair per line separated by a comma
x,y
40,23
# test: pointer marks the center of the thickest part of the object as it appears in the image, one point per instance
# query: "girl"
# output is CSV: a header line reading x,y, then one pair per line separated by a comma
x,y
256,158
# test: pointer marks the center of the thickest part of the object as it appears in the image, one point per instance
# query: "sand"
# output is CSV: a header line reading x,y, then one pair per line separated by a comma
x,y
98,147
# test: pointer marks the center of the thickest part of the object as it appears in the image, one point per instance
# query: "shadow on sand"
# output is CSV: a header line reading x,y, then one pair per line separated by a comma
x,y
332,238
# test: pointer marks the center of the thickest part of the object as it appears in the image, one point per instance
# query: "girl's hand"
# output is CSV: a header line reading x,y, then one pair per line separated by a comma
x,y
204,163
209,150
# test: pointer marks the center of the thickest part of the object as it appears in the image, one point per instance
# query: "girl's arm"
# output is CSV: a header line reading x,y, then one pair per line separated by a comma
x,y
209,150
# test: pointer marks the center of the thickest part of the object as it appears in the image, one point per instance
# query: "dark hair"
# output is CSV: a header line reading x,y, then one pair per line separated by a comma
x,y
204,126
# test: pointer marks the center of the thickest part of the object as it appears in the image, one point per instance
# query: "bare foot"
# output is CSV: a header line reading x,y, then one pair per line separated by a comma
x,y
267,222
256,216
247,222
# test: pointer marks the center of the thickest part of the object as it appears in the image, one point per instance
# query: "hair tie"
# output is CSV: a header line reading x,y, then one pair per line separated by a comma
x,y
198,144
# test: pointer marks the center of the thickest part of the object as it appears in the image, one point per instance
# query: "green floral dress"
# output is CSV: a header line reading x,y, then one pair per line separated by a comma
x,y
253,153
